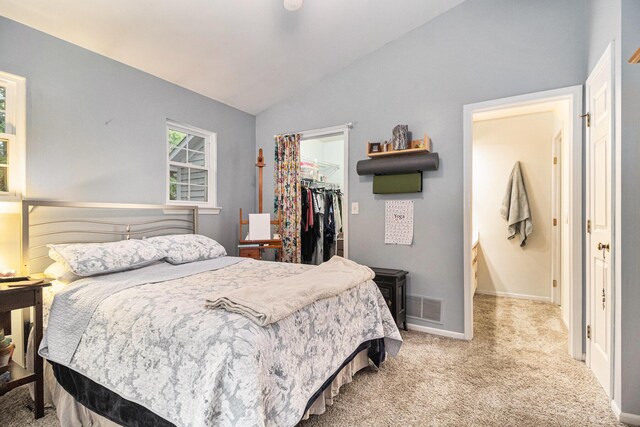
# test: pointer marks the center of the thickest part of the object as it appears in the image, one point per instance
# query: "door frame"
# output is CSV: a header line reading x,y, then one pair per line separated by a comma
x,y
574,160
555,294
608,55
333,130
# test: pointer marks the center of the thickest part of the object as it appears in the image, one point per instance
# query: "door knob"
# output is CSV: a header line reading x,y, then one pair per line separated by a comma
x,y
602,246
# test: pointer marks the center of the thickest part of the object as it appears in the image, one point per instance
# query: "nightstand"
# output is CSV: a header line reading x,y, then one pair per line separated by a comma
x,y
13,298
393,286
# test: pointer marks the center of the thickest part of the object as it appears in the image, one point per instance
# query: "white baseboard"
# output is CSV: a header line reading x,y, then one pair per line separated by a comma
x,y
631,419
623,417
435,331
512,295
565,322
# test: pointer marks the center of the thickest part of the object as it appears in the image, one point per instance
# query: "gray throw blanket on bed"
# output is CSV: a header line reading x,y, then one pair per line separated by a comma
x,y
267,302
515,207
72,308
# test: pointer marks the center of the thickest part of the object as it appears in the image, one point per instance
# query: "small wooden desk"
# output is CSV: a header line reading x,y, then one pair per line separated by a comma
x,y
255,252
254,248
13,298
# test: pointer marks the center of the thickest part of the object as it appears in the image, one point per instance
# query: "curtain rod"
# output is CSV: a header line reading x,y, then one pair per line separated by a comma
x,y
319,131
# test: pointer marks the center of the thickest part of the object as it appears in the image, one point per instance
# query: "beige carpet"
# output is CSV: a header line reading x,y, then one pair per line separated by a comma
x,y
516,372
16,411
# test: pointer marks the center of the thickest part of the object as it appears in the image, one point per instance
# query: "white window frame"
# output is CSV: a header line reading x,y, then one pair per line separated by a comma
x,y
15,133
211,164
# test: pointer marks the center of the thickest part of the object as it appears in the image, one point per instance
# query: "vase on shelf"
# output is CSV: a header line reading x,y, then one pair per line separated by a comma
x,y
401,137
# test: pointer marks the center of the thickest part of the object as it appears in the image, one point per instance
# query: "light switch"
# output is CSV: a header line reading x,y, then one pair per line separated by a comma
x,y
354,208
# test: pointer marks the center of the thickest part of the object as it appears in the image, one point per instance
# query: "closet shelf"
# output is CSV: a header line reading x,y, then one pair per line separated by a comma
x,y
319,184
325,168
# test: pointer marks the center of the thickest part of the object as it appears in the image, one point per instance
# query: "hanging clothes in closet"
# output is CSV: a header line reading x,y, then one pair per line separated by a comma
x,y
321,223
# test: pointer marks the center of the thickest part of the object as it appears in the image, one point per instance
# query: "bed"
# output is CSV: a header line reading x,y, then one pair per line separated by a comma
x,y
140,347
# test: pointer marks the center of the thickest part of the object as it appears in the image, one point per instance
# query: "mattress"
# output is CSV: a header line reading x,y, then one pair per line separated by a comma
x,y
155,345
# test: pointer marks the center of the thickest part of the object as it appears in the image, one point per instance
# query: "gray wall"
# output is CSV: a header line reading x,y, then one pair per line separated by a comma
x,y
96,129
630,145
603,26
481,50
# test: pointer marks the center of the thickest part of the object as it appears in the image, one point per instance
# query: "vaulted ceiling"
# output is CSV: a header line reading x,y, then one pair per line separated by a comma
x,y
249,54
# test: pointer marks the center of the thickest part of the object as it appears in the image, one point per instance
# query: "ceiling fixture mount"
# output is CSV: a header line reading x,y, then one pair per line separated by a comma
x,y
293,5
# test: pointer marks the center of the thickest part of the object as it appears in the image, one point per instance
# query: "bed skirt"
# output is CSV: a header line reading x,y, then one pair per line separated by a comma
x,y
80,401
345,376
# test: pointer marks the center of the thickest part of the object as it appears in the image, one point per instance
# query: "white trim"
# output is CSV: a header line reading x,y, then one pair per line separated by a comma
x,y
631,419
574,94
344,129
312,133
345,191
616,103
201,211
616,409
16,110
435,331
210,207
209,211
513,295
467,227
557,143
624,417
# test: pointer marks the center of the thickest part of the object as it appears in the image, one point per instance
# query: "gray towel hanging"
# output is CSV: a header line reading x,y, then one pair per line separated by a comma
x,y
515,207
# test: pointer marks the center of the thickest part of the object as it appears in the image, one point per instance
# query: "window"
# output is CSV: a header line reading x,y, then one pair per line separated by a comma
x,y
12,136
191,167
3,108
4,165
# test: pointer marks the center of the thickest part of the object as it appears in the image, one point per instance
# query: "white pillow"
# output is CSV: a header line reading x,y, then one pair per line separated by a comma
x,y
183,248
89,259
57,271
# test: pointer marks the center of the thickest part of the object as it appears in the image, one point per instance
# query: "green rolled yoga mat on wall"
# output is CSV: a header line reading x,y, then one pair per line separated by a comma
x,y
402,183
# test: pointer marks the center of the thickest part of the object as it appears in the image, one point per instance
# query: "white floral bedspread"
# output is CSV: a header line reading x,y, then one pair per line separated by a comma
x,y
157,345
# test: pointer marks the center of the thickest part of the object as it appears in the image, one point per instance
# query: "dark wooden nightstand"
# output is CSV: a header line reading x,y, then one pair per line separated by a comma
x,y
13,298
393,286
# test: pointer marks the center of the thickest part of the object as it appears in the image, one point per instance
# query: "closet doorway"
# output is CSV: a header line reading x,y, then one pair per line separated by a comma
x,y
542,134
324,183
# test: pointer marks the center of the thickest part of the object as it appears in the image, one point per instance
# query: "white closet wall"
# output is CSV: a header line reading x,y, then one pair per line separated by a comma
x,y
330,150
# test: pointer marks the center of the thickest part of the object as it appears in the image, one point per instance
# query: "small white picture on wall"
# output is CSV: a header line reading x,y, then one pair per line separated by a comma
x,y
398,222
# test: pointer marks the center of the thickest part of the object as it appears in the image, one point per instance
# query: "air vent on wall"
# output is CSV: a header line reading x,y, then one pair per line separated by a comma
x,y
424,308
414,306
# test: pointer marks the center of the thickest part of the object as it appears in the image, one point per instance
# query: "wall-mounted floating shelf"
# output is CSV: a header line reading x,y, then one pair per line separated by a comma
x,y
398,152
417,146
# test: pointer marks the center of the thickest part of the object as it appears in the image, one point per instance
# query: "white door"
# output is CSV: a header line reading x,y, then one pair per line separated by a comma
x,y
556,198
599,299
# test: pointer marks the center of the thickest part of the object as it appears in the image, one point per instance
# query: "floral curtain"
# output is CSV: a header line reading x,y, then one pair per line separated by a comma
x,y
287,205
